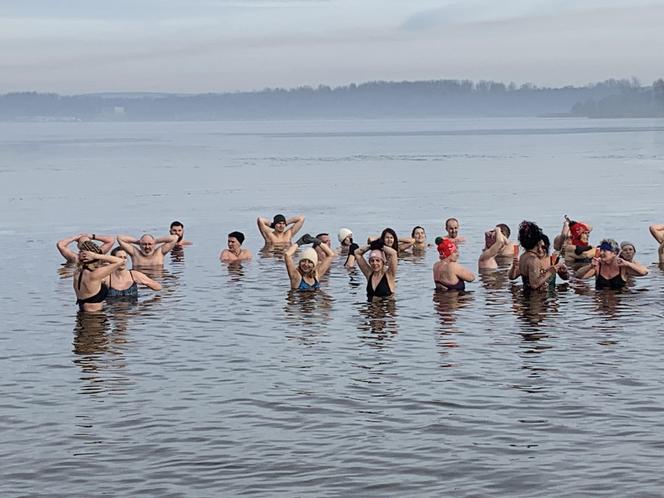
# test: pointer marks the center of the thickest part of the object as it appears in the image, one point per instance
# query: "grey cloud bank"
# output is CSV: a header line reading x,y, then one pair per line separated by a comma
x,y
216,46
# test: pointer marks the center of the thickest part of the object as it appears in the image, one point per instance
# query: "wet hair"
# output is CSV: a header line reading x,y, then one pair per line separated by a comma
x,y
395,244
237,235
88,245
505,229
116,250
412,233
177,224
447,221
547,242
321,234
529,235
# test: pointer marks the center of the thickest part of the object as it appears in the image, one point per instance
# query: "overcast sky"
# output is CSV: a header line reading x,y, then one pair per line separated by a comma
x,y
75,46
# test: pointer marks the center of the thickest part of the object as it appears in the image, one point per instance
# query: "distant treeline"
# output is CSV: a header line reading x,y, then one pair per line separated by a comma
x,y
367,100
631,102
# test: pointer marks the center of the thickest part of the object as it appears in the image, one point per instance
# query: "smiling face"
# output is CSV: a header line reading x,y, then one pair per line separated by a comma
x,y
419,235
541,250
146,245
584,237
606,255
388,239
452,228
280,227
306,266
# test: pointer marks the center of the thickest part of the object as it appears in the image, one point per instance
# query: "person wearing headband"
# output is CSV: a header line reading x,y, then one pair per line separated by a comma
x,y
628,252
448,274
381,269
607,267
494,244
280,230
657,231
535,273
71,256
306,274
235,252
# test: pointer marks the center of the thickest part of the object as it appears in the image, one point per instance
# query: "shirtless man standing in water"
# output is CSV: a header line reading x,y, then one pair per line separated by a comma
x,y
452,228
150,251
279,232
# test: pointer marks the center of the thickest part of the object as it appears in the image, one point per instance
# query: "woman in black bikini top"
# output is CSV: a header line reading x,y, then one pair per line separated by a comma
x,y
610,270
90,280
381,269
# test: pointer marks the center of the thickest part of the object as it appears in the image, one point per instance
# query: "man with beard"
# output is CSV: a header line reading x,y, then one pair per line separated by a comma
x,y
150,251
177,228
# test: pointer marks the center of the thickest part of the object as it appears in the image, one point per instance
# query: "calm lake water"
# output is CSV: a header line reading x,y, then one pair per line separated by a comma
x,y
226,384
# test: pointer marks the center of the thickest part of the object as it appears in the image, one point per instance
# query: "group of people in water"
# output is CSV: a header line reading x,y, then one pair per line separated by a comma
x,y
102,271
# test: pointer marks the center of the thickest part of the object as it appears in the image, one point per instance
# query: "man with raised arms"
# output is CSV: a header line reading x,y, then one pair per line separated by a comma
x,y
235,252
281,230
494,243
72,257
147,251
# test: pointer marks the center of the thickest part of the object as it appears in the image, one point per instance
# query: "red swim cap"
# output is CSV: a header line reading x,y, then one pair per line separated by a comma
x,y
446,248
577,229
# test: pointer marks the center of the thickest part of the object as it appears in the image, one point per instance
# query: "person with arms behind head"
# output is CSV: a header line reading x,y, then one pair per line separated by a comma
x,y
380,271
149,251
452,229
71,256
91,277
281,230
657,231
305,276
177,228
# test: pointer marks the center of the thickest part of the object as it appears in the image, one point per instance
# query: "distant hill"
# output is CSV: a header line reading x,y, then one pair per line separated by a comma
x,y
379,99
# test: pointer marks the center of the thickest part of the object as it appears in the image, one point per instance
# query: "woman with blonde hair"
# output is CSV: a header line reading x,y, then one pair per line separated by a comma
x,y
91,277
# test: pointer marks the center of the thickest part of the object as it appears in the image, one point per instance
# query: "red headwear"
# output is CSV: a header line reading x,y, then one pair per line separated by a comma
x,y
577,229
446,248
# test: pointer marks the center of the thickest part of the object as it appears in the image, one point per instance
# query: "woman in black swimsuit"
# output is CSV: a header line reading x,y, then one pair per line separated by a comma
x,y
90,279
124,283
609,269
380,271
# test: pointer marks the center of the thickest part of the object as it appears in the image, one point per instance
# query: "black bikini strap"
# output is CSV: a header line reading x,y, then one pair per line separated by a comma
x,y
132,276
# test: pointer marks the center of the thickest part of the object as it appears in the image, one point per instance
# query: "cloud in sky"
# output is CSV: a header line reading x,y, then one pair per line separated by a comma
x,y
217,45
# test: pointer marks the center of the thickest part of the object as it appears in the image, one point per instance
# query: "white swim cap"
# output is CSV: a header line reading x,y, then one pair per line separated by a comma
x,y
310,254
343,233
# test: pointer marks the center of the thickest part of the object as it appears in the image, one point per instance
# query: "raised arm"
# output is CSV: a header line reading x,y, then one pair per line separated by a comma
x,y
290,266
633,267
514,272
264,228
63,248
167,242
325,263
559,240
142,278
496,248
107,242
296,223
406,243
361,262
103,271
392,260
127,243
657,231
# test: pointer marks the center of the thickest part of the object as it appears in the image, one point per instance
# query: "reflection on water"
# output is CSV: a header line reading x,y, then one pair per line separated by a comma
x,y
378,321
228,381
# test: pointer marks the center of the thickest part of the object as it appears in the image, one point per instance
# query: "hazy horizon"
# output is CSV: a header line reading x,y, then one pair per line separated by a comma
x,y
200,46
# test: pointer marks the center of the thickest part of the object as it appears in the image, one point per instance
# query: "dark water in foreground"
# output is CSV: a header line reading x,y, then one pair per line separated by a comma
x,y
225,384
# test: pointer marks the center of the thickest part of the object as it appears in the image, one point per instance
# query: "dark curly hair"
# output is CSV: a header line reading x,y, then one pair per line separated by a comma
x,y
529,234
